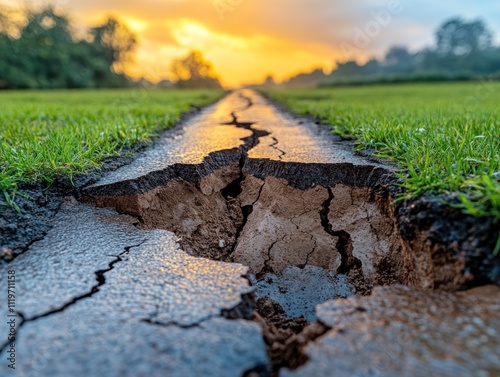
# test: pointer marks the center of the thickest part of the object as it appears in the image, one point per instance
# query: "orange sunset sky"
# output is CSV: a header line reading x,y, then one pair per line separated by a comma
x,y
249,39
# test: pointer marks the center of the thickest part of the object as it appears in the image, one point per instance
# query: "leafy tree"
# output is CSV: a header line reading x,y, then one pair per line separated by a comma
x,y
193,71
458,37
307,79
398,56
43,52
349,68
114,40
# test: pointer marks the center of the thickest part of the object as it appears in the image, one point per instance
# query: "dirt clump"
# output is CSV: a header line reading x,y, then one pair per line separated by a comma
x,y
284,337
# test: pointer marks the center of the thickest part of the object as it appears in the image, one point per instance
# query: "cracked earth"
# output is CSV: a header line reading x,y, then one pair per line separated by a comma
x,y
246,242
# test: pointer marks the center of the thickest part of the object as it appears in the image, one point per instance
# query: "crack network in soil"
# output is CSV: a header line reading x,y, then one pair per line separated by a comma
x,y
350,265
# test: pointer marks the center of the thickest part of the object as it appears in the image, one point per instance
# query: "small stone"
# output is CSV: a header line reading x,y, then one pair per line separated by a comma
x,y
7,254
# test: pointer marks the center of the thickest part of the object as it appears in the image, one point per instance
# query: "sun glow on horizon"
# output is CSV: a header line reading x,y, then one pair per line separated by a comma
x,y
245,42
236,59
240,53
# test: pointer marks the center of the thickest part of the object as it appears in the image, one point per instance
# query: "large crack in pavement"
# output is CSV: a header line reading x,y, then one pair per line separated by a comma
x,y
308,232
281,232
344,246
349,263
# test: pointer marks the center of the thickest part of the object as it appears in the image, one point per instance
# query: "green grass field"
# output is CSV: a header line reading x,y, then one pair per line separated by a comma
x,y
46,133
445,137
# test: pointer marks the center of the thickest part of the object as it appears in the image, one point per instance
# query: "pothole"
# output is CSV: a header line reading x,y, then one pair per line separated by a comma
x,y
303,246
308,233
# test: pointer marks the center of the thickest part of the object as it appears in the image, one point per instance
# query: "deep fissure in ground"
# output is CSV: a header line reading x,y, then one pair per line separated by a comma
x,y
307,232
302,246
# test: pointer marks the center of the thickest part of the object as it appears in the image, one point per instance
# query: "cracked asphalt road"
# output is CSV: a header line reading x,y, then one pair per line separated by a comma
x,y
101,295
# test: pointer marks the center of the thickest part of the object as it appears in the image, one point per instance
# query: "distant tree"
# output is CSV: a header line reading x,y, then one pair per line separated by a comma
x,y
193,71
193,66
115,41
347,69
269,81
458,37
37,57
398,55
371,67
164,84
41,51
309,79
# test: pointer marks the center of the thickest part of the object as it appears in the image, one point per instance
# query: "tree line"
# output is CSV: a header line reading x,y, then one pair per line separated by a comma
x,y
464,50
40,49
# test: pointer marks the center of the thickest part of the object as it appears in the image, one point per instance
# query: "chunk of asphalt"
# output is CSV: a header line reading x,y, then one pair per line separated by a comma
x,y
85,342
193,151
291,140
83,287
399,331
62,266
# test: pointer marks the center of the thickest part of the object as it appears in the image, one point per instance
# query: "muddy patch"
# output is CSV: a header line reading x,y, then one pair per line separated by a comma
x,y
298,290
285,337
